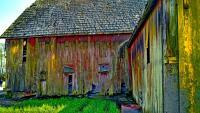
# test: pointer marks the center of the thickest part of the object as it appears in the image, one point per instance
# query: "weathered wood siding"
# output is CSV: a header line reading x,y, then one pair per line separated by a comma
x,y
153,57
47,56
170,82
14,67
146,64
189,55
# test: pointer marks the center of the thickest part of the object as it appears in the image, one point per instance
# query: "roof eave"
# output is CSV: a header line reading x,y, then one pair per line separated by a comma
x,y
150,7
60,35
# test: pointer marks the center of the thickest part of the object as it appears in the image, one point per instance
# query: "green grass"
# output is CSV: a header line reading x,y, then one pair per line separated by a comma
x,y
62,105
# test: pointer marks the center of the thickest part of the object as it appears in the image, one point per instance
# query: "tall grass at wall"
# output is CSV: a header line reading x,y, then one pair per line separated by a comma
x,y
62,105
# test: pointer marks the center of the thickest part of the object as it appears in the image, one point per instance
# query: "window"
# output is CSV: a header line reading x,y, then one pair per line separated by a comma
x,y
24,50
148,51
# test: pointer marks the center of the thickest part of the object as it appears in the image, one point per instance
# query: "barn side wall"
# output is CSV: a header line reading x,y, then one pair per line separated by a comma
x,y
177,52
146,64
46,58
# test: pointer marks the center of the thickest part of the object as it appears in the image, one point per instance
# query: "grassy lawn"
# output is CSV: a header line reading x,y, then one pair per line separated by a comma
x,y
62,105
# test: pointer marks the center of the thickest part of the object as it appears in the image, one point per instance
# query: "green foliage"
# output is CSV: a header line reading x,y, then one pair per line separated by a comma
x,y
2,62
31,109
62,105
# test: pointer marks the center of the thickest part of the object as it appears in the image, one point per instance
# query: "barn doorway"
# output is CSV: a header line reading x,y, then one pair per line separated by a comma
x,y
70,84
69,79
104,70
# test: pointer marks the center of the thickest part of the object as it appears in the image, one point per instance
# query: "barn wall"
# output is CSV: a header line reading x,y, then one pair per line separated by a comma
x,y
14,67
154,59
189,57
173,69
146,64
47,56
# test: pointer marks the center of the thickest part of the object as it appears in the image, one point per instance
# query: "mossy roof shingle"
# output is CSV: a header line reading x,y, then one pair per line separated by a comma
x,y
77,17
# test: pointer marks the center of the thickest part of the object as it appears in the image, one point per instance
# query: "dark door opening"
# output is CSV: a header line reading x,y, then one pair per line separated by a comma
x,y
70,84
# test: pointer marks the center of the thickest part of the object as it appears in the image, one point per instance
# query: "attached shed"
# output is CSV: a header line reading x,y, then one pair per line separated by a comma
x,y
59,47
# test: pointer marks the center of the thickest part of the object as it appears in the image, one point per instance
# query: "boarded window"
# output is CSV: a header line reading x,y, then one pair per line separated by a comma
x,y
68,69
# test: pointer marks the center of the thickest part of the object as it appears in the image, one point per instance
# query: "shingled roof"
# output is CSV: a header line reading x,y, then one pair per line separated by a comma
x,y
77,17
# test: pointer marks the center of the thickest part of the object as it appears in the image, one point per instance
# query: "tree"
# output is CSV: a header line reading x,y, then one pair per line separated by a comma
x,y
2,62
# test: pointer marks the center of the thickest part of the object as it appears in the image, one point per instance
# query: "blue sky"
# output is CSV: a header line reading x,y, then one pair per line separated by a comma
x,y
10,10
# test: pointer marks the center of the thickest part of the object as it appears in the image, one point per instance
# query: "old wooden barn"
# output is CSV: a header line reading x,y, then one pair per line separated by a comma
x,y
60,47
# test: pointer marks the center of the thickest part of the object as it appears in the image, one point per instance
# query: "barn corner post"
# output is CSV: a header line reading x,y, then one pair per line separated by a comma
x,y
170,58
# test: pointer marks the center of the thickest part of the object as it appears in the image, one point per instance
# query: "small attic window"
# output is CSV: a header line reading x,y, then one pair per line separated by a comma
x,y
104,68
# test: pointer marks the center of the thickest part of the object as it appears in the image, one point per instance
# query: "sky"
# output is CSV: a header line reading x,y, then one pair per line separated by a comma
x,y
9,11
